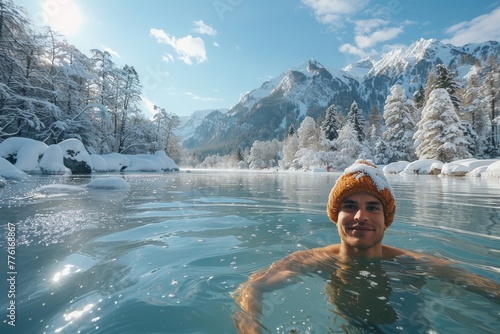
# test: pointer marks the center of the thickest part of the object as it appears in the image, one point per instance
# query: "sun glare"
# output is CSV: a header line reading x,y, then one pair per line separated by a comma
x,y
63,16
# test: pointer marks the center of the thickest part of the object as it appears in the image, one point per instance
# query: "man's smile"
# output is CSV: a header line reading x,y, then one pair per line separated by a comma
x,y
360,228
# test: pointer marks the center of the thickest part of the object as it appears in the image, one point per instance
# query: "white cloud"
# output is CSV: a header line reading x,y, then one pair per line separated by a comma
x,y
367,32
356,51
204,29
366,26
379,36
188,48
199,98
334,12
480,29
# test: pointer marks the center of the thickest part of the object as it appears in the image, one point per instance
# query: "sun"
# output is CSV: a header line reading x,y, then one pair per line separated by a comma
x,y
63,16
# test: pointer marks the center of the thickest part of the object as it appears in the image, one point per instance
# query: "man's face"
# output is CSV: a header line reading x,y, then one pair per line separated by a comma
x,y
361,221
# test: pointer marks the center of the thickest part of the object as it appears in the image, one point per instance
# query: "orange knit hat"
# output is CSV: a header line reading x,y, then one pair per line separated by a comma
x,y
362,177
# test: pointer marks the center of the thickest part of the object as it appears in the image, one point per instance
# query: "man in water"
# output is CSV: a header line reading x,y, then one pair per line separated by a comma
x,y
362,205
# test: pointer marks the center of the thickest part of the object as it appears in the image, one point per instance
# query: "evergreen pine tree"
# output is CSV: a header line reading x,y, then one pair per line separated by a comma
x,y
376,121
444,79
356,118
329,125
419,97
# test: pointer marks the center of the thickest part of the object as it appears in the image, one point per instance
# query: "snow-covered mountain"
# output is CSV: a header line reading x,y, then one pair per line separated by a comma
x,y
309,88
189,124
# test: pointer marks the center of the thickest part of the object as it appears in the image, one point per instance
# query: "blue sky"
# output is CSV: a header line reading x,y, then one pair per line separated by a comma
x,y
205,54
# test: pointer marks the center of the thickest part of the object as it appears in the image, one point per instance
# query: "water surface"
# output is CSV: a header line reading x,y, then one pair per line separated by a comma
x,y
165,255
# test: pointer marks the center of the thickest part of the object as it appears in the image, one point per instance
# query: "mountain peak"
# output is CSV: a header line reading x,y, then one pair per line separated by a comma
x,y
309,67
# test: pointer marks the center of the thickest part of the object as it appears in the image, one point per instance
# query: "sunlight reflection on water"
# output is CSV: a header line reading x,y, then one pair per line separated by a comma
x,y
165,255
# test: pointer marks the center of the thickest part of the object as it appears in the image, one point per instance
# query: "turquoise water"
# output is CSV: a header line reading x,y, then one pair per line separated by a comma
x,y
165,255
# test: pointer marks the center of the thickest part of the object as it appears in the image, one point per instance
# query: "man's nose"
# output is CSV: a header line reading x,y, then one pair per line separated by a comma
x,y
360,215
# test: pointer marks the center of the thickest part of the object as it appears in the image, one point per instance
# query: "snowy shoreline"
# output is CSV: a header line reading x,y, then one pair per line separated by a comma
x,y
20,157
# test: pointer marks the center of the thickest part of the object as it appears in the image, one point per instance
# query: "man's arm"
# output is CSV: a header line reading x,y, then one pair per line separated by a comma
x,y
470,281
248,296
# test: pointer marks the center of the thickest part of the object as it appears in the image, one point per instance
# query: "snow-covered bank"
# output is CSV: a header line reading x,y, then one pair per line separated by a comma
x,y
466,167
20,157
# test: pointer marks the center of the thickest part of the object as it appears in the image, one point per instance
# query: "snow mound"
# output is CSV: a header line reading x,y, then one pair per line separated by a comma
x,y
28,156
99,164
138,164
116,162
424,167
159,161
395,167
493,170
108,183
10,172
476,172
464,167
52,161
10,146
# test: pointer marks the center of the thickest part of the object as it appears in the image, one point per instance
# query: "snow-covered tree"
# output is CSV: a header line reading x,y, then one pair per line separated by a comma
x,y
165,137
446,80
265,154
290,148
330,126
470,136
375,123
128,89
356,118
439,135
429,86
19,107
381,153
348,147
370,143
491,92
308,135
400,126
419,97
479,98
308,143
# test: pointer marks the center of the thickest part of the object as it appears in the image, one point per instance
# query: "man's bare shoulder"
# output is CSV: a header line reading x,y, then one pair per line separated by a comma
x,y
390,253
330,249
321,254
